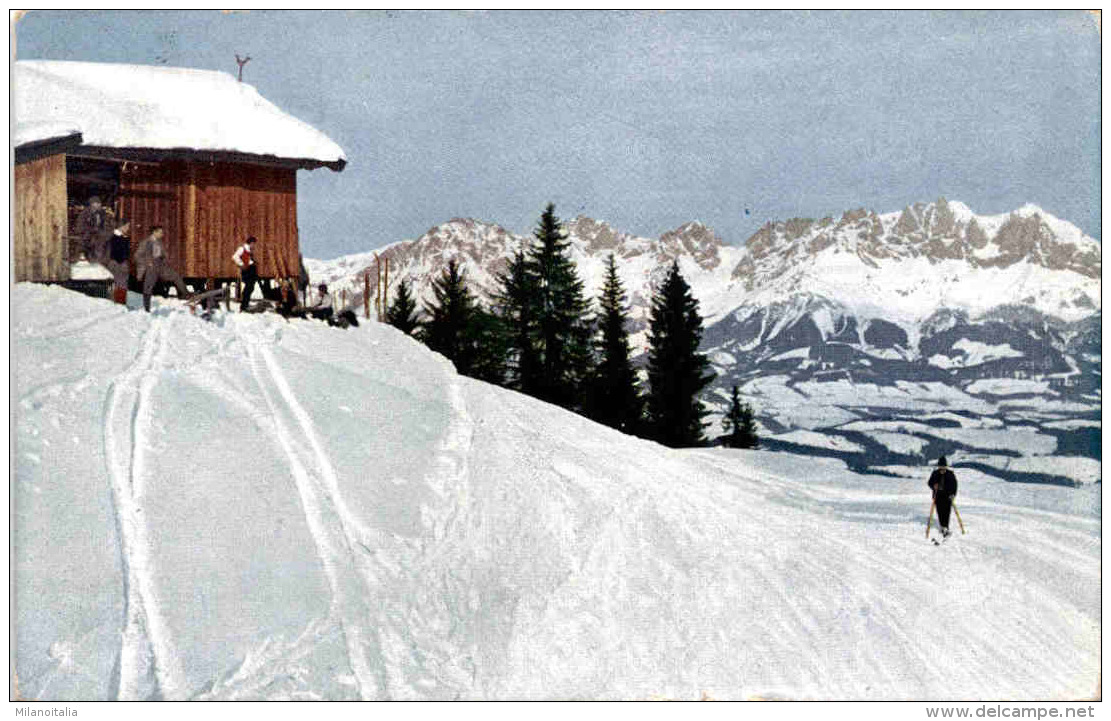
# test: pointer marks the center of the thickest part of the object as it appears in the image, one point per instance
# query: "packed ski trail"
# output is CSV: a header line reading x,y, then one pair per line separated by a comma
x,y
255,509
147,649
333,529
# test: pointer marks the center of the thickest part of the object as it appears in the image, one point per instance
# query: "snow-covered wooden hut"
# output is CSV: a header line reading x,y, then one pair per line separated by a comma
x,y
39,217
195,151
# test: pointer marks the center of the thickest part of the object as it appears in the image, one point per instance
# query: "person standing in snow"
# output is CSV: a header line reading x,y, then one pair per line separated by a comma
x,y
244,257
302,277
943,482
322,309
93,229
152,265
119,250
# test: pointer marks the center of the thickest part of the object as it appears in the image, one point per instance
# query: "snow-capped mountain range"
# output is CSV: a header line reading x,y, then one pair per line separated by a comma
x,y
902,267
929,309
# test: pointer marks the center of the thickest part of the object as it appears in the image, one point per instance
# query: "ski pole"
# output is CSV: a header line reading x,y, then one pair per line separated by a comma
x,y
958,517
931,518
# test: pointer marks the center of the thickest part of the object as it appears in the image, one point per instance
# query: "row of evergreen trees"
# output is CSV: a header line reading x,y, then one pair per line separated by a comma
x,y
540,337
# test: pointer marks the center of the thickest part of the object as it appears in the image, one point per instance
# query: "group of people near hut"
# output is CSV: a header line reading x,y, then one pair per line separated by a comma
x,y
108,243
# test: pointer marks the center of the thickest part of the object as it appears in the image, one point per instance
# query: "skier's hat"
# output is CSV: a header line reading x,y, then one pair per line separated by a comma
x,y
942,462
252,239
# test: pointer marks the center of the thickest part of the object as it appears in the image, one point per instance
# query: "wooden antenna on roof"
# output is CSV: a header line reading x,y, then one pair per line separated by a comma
x,y
242,62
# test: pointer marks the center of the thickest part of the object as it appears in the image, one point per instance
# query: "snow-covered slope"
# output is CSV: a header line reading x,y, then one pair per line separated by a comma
x,y
251,508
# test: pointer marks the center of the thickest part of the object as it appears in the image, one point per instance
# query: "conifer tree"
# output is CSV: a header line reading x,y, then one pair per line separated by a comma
x,y
563,328
402,313
449,318
488,339
614,400
677,372
740,424
515,304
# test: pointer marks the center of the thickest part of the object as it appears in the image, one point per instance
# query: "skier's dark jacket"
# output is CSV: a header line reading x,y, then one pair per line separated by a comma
x,y
943,480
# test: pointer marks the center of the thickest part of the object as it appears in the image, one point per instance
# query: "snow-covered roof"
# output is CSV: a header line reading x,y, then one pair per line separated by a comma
x,y
40,132
163,108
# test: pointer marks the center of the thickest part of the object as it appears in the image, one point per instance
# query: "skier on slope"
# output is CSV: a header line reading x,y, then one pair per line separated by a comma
x,y
943,482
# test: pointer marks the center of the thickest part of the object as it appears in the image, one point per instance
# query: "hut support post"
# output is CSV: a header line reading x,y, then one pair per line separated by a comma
x,y
366,294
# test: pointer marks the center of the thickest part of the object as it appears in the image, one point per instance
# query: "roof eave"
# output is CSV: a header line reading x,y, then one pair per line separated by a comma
x,y
158,155
36,149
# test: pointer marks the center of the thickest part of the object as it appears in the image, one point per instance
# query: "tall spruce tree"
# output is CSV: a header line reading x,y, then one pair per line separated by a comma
x,y
677,372
402,313
615,400
740,424
563,328
515,304
447,330
487,336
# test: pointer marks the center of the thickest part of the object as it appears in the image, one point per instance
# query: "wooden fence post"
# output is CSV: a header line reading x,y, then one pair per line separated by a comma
x,y
378,287
386,290
366,294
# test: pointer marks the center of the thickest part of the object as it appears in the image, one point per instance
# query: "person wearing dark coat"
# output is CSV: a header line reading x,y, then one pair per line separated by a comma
x,y
302,277
94,229
119,250
943,482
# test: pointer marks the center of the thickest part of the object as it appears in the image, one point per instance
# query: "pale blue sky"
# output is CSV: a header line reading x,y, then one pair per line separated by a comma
x,y
645,119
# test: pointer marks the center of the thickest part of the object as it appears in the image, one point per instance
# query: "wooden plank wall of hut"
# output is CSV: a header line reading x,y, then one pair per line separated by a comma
x,y
235,201
209,209
40,246
154,194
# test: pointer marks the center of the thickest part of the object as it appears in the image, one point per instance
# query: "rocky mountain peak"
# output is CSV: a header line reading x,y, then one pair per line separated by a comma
x,y
938,231
596,236
696,240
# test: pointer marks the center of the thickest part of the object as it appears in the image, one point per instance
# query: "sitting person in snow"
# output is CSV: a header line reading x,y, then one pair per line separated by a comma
x,y
344,319
288,307
943,482
322,310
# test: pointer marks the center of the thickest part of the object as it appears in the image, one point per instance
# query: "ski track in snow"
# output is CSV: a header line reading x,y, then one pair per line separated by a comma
x,y
330,522
146,646
435,666
78,325
851,611
964,570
